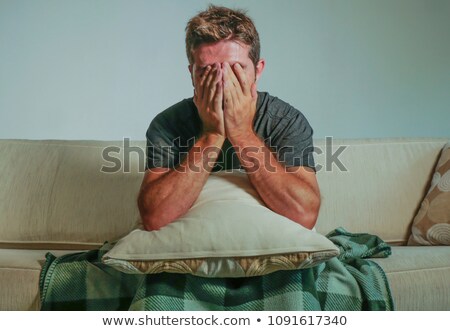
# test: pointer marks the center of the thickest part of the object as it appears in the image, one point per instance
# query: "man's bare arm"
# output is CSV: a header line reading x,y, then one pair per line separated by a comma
x,y
167,194
292,192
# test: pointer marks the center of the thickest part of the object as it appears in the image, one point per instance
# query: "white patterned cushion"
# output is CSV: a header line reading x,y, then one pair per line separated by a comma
x,y
228,232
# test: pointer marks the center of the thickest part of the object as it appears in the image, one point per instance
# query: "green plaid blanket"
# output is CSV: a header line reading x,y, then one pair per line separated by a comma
x,y
81,281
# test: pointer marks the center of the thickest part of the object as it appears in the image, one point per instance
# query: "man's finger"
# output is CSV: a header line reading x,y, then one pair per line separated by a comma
x,y
210,86
219,73
232,77
218,99
227,97
199,88
235,91
254,92
210,78
195,97
242,78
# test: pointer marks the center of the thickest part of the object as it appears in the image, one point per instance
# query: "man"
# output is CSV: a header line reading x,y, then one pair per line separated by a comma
x,y
228,124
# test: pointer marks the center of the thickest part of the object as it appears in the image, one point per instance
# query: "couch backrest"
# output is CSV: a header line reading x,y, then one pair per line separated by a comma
x,y
381,188
56,194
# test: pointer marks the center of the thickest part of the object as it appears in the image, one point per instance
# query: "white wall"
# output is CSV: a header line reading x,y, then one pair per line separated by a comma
x,y
102,69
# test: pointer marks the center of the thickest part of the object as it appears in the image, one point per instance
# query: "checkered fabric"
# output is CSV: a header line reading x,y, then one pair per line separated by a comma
x,y
81,281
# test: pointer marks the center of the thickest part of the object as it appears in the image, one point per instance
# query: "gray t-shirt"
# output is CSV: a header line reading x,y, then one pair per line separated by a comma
x,y
283,128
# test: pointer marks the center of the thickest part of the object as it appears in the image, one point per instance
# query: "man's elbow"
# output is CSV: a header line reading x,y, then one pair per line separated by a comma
x,y
150,223
307,217
150,218
155,218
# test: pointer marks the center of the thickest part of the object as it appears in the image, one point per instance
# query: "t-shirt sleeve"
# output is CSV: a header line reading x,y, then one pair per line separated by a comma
x,y
161,149
295,148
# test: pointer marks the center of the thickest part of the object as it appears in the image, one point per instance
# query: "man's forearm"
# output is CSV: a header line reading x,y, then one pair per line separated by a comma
x,y
173,192
284,192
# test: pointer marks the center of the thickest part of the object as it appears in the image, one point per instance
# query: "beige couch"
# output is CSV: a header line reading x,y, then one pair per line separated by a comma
x,y
55,197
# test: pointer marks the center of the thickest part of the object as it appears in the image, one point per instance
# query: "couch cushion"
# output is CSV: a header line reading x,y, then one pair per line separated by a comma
x,y
55,193
19,278
19,289
431,226
419,277
381,187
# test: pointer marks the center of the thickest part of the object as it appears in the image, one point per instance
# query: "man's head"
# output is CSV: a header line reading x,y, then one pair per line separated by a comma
x,y
220,23
220,34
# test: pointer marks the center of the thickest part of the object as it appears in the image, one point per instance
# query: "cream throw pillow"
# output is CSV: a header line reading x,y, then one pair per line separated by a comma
x,y
431,226
228,232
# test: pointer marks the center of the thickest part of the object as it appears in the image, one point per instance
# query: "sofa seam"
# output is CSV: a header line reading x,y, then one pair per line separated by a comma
x,y
19,268
416,270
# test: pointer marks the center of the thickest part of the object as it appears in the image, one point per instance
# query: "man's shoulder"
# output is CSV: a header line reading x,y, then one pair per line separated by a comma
x,y
178,111
274,108
175,116
180,120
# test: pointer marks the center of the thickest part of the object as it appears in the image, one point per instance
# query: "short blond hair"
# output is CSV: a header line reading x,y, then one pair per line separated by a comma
x,y
221,23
